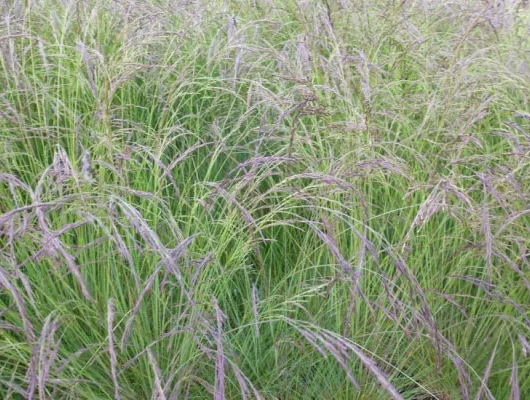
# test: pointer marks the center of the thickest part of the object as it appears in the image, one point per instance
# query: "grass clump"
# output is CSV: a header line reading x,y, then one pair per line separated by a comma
x,y
264,199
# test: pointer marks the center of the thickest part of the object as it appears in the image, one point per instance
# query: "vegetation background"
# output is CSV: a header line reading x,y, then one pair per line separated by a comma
x,y
264,199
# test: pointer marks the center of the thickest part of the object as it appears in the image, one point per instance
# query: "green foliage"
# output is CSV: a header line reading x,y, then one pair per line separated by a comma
x,y
264,199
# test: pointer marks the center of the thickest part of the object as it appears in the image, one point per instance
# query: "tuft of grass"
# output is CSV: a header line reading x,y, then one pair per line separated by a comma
x,y
289,199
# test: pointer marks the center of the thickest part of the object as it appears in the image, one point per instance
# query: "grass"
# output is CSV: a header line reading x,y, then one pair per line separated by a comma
x,y
264,199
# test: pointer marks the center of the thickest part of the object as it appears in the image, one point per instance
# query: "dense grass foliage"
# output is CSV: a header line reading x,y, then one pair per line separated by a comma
x,y
264,199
